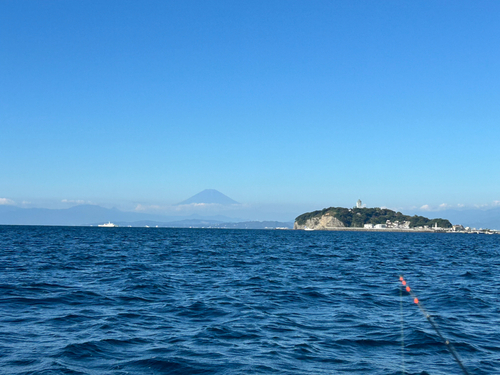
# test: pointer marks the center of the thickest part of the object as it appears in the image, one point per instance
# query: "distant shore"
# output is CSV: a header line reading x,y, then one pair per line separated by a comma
x,y
401,230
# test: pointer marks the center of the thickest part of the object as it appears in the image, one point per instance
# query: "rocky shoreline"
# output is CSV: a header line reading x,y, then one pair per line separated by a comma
x,y
377,220
401,230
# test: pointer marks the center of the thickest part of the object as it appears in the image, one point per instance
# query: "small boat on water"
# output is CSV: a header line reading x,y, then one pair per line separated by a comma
x,y
108,225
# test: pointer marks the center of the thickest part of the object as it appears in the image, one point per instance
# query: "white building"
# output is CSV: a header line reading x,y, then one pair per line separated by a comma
x,y
359,204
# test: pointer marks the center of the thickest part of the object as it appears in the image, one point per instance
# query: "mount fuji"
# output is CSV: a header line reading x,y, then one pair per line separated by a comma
x,y
209,196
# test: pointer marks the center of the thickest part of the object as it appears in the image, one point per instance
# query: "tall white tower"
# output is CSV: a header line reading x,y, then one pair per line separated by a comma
x,y
359,203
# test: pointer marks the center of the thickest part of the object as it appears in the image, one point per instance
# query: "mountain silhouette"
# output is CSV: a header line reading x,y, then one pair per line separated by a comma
x,y
78,215
209,196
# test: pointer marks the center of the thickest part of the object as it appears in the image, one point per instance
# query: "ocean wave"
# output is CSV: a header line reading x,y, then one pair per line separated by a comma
x,y
237,302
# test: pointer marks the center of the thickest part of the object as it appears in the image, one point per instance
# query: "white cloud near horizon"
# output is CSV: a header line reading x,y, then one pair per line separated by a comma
x,y
459,206
7,202
242,212
208,205
441,207
146,207
188,207
76,201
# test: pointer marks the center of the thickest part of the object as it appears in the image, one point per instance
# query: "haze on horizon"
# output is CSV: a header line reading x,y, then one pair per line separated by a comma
x,y
285,107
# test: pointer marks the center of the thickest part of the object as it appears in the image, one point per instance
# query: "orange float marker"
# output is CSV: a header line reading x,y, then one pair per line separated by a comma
x,y
433,324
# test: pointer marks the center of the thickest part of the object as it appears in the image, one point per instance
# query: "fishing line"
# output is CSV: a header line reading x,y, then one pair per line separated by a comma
x,y
402,330
448,344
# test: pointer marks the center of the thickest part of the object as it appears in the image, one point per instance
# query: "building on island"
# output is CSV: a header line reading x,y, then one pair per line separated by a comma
x,y
359,204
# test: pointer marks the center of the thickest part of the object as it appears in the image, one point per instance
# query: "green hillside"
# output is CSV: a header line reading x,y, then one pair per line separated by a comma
x,y
357,217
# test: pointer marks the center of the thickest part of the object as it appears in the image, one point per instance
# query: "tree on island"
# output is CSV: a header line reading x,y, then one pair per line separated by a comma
x,y
358,217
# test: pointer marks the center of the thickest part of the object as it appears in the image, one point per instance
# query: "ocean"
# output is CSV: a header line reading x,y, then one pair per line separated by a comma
x,y
86,300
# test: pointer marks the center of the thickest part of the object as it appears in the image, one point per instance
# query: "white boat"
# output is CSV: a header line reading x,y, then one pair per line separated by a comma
x,y
306,228
108,225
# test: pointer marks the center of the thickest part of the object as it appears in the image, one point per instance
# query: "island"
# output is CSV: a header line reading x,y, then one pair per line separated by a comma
x,y
362,218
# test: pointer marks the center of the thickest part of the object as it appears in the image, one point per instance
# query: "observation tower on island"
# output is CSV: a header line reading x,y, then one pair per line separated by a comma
x,y
359,204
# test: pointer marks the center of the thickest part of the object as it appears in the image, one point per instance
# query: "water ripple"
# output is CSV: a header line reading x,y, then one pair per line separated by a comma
x,y
177,301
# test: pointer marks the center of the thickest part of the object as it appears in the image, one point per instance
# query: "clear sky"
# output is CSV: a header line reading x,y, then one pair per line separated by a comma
x,y
304,104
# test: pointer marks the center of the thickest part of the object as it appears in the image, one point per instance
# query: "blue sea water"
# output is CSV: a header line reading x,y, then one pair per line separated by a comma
x,y
81,300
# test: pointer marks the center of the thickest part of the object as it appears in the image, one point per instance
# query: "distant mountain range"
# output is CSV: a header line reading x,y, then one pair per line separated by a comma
x,y
94,215
77,215
84,215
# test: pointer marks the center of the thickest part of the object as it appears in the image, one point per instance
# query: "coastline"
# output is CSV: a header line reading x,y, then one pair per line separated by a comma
x,y
399,230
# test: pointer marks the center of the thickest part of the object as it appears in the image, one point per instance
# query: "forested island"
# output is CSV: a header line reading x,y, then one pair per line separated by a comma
x,y
367,218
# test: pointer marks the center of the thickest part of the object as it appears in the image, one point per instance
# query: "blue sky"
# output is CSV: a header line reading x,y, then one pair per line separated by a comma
x,y
297,105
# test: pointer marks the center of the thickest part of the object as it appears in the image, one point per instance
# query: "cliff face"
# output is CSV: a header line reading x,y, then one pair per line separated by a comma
x,y
340,217
320,222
